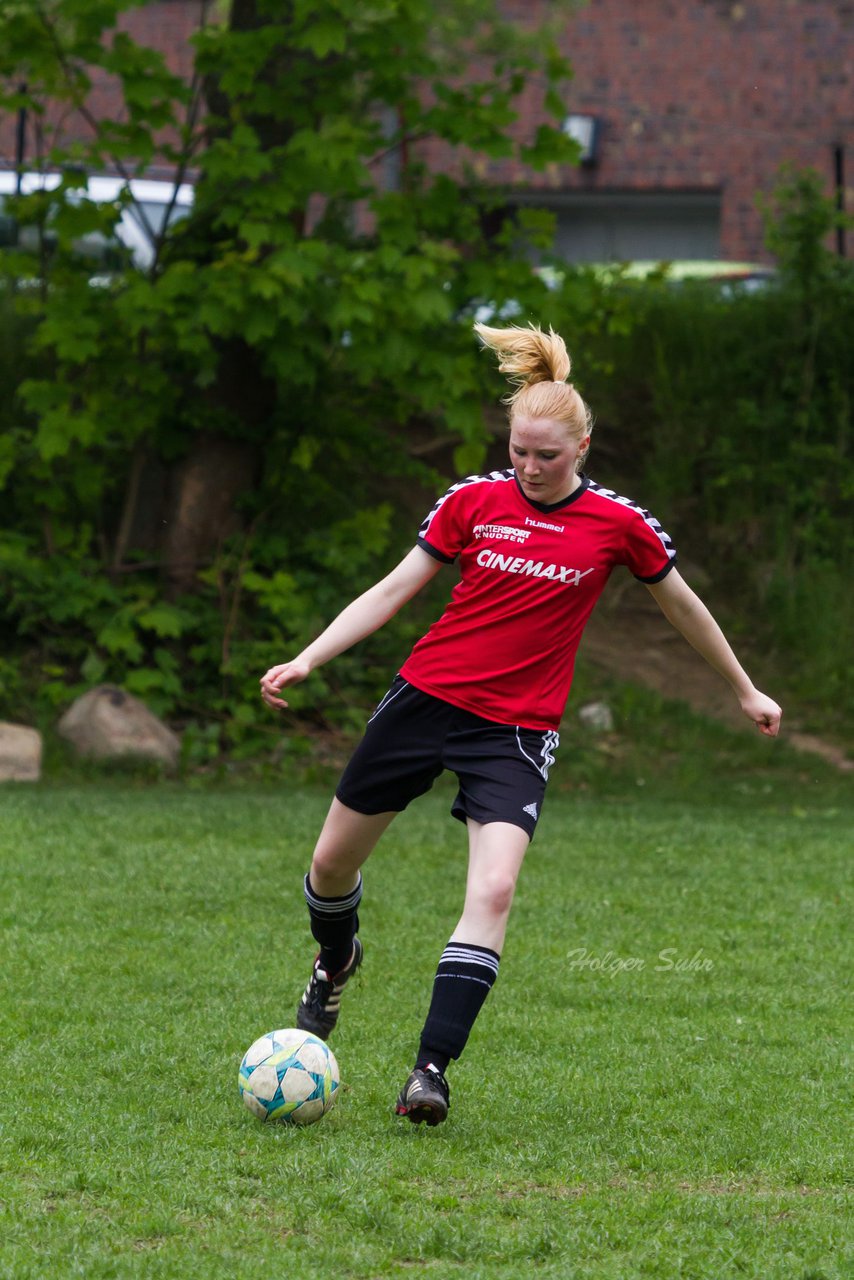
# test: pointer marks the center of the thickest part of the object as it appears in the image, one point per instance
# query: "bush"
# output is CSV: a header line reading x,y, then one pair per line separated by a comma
x,y
730,413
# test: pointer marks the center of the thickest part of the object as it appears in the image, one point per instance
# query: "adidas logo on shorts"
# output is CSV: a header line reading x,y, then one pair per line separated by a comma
x,y
531,809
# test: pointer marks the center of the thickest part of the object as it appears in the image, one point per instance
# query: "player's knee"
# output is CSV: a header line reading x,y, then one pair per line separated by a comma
x,y
331,865
495,894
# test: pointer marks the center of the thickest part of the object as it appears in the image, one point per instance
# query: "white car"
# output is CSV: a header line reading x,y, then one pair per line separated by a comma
x,y
141,221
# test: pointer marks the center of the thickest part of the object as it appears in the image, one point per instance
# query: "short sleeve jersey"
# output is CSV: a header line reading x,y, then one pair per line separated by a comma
x,y
530,575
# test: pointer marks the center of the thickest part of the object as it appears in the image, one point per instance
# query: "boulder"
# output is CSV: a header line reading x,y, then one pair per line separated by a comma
x,y
597,716
20,753
108,722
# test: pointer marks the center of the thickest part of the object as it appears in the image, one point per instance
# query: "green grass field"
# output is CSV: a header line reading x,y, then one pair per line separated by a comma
x,y
619,1112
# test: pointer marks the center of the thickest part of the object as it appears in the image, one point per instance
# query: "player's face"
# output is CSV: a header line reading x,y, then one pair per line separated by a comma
x,y
544,455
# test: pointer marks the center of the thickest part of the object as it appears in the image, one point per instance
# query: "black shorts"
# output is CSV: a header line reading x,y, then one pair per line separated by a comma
x,y
411,737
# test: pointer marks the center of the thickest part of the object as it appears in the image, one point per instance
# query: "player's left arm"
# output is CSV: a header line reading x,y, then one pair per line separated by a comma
x,y
685,610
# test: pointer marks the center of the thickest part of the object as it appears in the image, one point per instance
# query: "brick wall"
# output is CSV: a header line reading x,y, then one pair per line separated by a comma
x,y
693,95
710,95
166,26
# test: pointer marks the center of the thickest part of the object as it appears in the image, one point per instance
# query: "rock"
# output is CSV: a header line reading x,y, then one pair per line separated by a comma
x,y
597,716
20,753
107,723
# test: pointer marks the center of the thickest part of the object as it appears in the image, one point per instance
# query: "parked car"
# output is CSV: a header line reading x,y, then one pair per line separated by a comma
x,y
743,276
151,204
727,278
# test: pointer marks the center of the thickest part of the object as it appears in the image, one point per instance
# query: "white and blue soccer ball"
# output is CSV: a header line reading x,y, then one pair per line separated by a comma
x,y
290,1076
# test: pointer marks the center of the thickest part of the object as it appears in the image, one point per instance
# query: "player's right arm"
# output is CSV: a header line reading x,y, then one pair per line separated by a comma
x,y
365,615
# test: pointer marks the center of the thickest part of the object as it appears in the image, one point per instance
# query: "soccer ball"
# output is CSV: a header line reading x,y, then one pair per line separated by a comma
x,y
290,1076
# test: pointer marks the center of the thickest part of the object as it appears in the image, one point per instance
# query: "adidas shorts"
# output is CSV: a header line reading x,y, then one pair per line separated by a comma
x,y
411,737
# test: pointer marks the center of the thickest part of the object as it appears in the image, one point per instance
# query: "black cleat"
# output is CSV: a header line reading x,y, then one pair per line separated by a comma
x,y
425,1097
317,1011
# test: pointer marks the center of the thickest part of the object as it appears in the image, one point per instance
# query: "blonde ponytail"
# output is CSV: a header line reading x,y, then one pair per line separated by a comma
x,y
527,355
537,365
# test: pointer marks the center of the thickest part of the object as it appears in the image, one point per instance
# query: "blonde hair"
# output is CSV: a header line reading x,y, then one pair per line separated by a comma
x,y
538,365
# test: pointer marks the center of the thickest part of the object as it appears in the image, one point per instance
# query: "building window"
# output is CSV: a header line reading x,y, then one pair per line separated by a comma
x,y
629,226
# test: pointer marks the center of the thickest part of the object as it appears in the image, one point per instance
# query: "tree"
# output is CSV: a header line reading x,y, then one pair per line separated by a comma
x,y
296,342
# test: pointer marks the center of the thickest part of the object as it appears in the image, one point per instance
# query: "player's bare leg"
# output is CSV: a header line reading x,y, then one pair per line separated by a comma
x,y
496,853
468,967
333,889
345,842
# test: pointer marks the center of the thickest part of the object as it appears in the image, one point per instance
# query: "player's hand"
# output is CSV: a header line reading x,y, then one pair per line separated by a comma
x,y
279,677
763,711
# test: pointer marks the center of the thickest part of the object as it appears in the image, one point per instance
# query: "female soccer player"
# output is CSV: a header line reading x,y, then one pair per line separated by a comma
x,y
482,693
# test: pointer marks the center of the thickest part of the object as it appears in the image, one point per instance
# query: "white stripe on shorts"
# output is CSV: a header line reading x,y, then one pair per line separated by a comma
x,y
551,742
387,697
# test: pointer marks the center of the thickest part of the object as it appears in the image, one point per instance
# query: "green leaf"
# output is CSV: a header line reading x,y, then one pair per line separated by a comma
x,y
323,38
164,619
468,457
119,637
93,668
305,452
61,429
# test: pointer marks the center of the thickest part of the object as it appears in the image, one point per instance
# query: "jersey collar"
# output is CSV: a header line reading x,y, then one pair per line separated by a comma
x,y
546,507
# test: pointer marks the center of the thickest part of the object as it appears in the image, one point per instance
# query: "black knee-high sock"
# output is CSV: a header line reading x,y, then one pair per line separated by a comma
x,y
463,980
334,922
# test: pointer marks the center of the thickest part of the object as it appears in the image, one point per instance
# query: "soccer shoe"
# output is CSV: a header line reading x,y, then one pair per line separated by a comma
x,y
425,1097
317,1011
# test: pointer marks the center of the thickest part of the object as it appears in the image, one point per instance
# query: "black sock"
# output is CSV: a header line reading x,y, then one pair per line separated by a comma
x,y
334,922
463,980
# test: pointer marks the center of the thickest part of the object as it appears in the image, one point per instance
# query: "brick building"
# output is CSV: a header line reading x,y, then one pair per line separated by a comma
x,y
698,103
694,105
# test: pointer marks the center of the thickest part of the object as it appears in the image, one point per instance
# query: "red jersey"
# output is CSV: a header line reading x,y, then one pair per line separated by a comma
x,y
530,575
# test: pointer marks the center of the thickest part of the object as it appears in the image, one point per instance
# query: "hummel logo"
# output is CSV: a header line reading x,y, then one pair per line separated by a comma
x,y
531,809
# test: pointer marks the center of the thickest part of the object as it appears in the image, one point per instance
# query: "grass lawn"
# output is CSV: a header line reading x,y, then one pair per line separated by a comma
x,y
656,1087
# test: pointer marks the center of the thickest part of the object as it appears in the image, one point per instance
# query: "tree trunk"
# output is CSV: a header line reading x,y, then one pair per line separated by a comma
x,y
202,510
